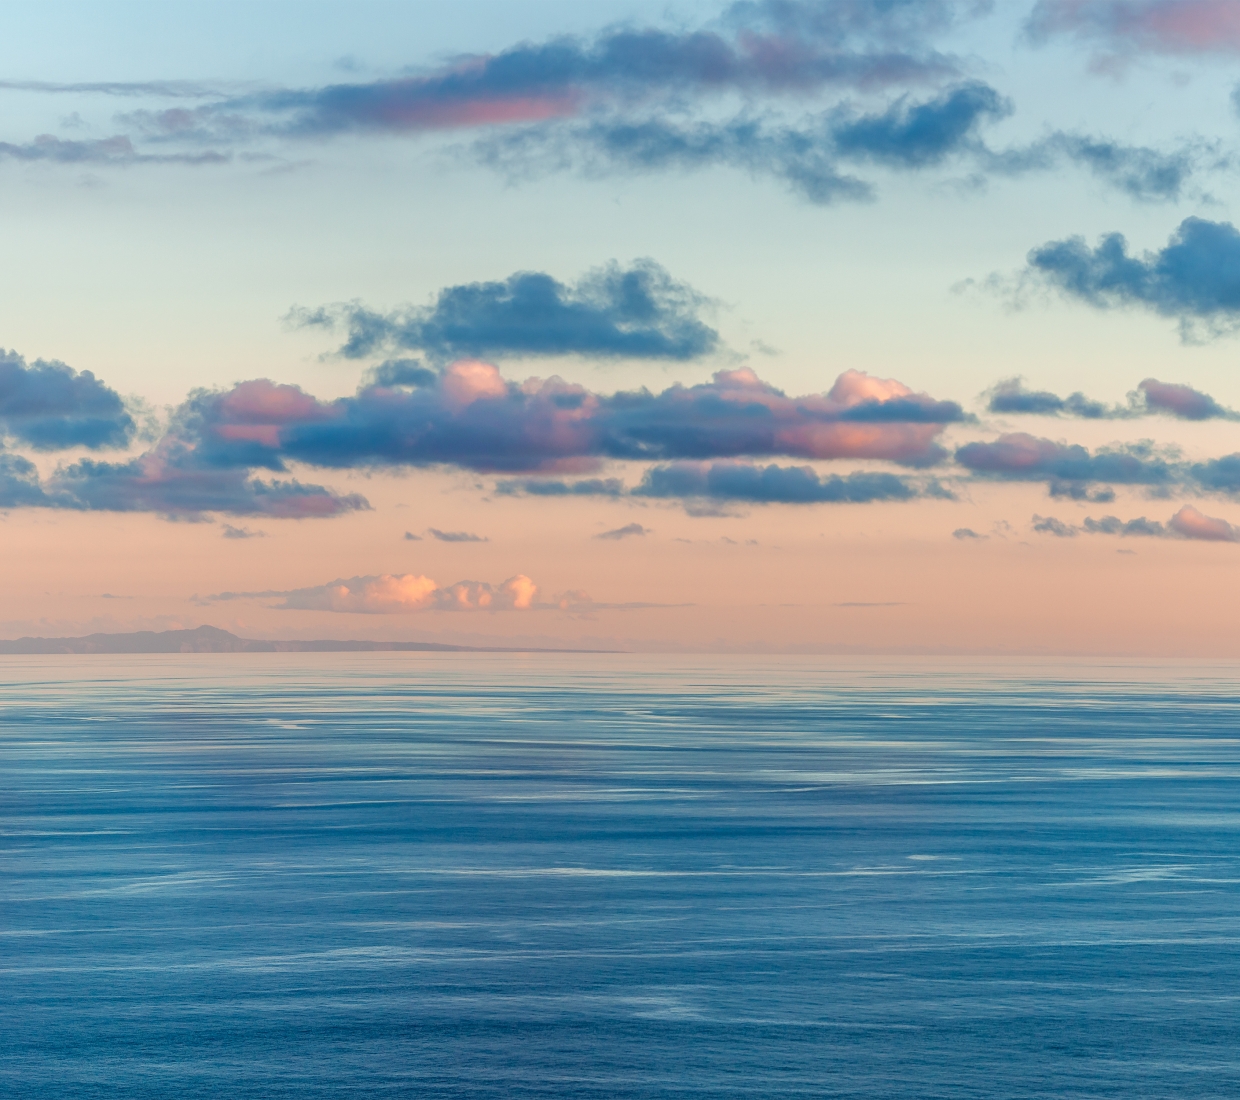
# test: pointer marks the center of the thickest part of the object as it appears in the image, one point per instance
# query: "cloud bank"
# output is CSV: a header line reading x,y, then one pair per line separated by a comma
x,y
473,418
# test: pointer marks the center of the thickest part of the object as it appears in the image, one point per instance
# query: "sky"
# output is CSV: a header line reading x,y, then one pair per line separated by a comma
x,y
859,326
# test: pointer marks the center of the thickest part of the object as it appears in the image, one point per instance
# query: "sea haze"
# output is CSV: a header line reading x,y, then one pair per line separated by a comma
x,y
483,875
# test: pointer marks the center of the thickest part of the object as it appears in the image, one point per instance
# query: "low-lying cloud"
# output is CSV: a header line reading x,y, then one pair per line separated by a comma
x,y
1187,523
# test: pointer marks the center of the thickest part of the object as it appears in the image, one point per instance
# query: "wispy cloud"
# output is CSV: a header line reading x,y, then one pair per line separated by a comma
x,y
1173,27
627,531
456,536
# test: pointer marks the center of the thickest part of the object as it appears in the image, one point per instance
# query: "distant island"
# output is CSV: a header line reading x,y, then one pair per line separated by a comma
x,y
211,639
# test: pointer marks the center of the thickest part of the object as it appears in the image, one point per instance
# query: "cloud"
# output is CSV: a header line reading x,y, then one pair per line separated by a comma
x,y
1018,456
116,150
50,406
1151,397
919,134
411,537
1187,523
1049,525
645,98
550,487
1137,170
172,481
638,313
231,532
474,418
966,533
783,49
1191,524
19,483
1182,401
625,532
1195,278
456,536
734,481
1221,475
389,594
1176,27
1010,396
813,154
1113,525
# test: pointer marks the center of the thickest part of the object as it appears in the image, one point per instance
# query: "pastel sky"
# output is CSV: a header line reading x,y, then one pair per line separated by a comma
x,y
880,326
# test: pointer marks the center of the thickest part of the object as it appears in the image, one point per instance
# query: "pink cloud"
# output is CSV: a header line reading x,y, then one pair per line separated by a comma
x,y
471,417
1153,26
390,594
1192,524
1180,400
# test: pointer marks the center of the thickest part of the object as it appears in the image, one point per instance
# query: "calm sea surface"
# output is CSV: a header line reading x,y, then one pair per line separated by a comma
x,y
417,875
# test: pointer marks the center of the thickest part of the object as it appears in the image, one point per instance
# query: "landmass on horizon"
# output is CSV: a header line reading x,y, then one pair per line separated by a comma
x,y
212,639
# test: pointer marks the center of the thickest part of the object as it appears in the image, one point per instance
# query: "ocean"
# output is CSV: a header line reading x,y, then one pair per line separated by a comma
x,y
604,876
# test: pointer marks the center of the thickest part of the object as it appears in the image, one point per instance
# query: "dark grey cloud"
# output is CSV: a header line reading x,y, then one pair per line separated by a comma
x,y
1141,172
1195,278
1113,525
627,531
397,372
1018,456
816,155
915,135
1220,475
1151,397
411,537
553,487
455,536
1187,523
639,312
1177,399
1049,525
1107,525
1010,396
966,533
50,406
1080,491
171,482
19,483
740,482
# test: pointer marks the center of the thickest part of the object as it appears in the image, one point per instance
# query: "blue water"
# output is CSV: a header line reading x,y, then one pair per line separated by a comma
x,y
408,875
